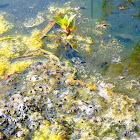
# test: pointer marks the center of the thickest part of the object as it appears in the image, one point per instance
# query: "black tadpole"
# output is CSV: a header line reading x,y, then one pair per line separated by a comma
x,y
91,8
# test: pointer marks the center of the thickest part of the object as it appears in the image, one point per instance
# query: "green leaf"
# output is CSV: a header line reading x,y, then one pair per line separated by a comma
x,y
59,21
71,19
72,24
66,18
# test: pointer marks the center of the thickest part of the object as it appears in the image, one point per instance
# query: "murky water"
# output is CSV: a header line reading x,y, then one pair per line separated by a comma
x,y
112,61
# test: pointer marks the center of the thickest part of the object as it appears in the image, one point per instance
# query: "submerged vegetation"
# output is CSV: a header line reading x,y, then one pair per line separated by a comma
x,y
4,25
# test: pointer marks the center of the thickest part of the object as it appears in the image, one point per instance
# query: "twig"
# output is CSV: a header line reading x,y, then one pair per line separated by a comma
x,y
48,27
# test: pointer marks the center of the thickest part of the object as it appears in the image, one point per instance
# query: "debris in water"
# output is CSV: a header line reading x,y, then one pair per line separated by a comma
x,y
121,8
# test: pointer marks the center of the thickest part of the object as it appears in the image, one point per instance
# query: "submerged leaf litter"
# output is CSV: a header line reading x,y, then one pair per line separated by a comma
x,y
45,100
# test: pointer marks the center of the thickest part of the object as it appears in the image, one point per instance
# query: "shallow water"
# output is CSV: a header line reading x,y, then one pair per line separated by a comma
x,y
113,63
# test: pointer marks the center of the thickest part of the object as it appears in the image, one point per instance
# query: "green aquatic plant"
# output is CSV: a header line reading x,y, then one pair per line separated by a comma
x,y
67,23
69,36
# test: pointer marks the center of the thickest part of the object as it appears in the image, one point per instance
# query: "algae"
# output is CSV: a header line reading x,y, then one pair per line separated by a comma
x,y
18,67
10,49
3,67
47,131
33,42
4,25
34,22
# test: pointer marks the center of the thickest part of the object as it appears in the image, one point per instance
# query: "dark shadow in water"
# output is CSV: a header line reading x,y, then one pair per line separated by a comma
x,y
124,40
4,5
70,53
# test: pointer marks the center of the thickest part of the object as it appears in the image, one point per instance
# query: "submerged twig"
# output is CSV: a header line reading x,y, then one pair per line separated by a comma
x,y
48,27
35,54
51,55
5,38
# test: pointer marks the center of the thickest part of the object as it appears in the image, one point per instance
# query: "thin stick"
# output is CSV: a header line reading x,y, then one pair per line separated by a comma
x,y
1,39
6,38
48,27
52,56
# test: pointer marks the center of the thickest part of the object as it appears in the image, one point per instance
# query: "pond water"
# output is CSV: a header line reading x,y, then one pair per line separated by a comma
x,y
108,55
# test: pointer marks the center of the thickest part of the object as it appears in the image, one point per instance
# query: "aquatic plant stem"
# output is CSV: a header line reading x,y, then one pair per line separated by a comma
x,y
49,27
6,38
51,55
